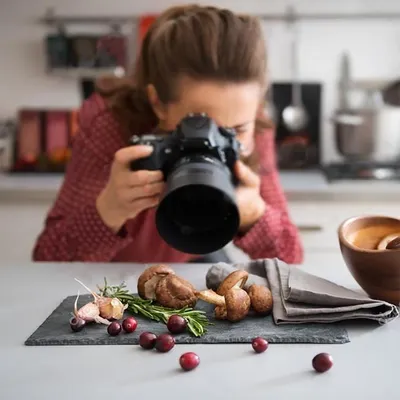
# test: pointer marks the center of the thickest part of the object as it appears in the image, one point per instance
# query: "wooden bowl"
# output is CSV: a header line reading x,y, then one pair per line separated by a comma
x,y
376,271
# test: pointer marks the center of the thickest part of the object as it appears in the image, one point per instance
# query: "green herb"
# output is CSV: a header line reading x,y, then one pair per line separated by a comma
x,y
197,321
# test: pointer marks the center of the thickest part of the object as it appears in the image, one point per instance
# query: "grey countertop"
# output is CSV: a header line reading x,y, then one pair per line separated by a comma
x,y
366,368
298,186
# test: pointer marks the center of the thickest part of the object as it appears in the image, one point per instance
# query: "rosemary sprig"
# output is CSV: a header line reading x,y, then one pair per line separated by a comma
x,y
197,321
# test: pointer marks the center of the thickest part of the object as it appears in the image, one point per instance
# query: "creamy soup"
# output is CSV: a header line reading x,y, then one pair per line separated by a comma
x,y
369,237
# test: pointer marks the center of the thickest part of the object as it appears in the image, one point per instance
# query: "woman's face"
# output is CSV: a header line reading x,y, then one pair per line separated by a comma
x,y
230,105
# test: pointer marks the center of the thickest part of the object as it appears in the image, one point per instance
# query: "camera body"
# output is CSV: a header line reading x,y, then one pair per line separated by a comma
x,y
196,137
198,212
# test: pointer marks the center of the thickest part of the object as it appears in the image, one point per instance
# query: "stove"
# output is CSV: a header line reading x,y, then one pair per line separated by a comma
x,y
362,171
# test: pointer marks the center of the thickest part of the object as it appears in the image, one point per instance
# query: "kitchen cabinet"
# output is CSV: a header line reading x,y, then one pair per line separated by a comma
x,y
19,227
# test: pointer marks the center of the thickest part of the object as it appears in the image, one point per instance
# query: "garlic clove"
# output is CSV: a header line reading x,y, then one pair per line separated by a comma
x,y
101,320
88,312
118,308
101,309
111,308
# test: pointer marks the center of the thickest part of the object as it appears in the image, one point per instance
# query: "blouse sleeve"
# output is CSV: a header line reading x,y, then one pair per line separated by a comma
x,y
274,235
73,229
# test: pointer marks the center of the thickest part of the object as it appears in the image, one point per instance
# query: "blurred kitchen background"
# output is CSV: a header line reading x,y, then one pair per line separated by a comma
x,y
335,98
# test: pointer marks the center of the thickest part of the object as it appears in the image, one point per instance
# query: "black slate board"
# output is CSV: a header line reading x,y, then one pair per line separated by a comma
x,y
55,330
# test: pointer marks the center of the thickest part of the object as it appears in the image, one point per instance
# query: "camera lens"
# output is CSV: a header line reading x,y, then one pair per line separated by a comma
x,y
198,213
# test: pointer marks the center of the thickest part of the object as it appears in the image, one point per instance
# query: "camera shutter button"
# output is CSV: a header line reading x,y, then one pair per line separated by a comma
x,y
135,139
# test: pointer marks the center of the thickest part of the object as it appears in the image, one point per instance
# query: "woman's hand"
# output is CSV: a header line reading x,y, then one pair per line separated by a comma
x,y
250,203
128,193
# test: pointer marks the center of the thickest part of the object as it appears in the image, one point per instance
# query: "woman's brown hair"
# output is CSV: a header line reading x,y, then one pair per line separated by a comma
x,y
205,43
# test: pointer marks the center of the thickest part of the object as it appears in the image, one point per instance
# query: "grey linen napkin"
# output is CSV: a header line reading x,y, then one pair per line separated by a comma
x,y
300,297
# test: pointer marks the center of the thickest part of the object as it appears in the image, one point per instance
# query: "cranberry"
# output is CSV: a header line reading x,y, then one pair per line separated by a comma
x,y
322,362
165,343
259,344
114,328
189,361
129,324
176,324
147,340
77,324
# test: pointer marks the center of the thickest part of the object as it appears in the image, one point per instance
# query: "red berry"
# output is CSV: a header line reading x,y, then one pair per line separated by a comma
x,y
147,340
114,328
322,362
189,361
259,344
165,343
176,324
129,324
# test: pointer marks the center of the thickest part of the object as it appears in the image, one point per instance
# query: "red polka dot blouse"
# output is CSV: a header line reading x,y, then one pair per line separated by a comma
x,y
74,231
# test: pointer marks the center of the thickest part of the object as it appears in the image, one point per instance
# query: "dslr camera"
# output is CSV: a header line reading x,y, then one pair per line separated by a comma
x,y
197,213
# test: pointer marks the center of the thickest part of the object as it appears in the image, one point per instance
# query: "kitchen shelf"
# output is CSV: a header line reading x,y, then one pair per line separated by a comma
x,y
331,16
84,72
53,20
365,85
369,84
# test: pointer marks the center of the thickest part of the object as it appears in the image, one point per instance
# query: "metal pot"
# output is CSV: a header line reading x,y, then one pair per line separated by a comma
x,y
368,134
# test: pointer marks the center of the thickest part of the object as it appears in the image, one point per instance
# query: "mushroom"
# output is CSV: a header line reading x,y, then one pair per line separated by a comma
x,y
394,244
260,298
386,240
220,312
234,306
172,291
149,279
235,279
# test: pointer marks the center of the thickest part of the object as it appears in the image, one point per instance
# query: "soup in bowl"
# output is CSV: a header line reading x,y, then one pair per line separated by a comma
x,y
371,250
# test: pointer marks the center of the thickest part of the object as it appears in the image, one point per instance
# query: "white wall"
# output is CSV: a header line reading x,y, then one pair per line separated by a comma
x,y
374,47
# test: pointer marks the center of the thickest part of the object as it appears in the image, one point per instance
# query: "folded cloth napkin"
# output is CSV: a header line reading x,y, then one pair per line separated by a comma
x,y
300,297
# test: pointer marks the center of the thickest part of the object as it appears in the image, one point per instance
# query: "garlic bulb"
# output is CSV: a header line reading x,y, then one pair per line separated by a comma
x,y
90,312
108,308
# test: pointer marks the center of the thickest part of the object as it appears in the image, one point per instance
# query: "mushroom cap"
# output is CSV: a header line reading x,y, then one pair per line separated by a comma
x,y
149,279
261,299
220,312
172,291
236,279
237,303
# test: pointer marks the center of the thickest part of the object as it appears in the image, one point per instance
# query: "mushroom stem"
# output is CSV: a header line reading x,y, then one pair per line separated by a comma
x,y
209,296
234,306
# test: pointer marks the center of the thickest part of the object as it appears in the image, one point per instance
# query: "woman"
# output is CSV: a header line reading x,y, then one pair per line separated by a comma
x,y
193,59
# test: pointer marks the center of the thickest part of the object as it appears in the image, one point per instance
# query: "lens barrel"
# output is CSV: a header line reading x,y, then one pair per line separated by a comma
x,y
198,213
